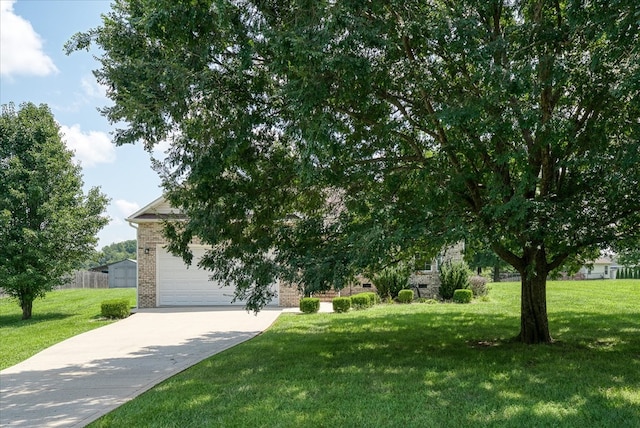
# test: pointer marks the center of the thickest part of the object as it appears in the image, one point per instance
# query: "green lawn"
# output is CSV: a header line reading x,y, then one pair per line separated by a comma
x,y
60,315
420,365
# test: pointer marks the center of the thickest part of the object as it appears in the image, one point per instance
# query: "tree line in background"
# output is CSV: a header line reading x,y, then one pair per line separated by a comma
x,y
628,273
112,253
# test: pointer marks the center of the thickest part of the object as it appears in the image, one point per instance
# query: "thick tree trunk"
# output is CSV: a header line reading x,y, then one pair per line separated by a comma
x,y
534,325
26,309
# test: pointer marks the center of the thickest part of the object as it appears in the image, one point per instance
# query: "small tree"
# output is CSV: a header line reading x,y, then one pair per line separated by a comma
x,y
47,224
390,280
453,276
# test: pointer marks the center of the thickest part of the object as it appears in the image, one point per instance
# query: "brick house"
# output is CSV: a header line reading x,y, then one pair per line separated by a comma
x,y
165,280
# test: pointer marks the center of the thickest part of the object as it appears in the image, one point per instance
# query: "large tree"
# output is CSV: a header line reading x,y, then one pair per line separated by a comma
x,y
47,224
312,139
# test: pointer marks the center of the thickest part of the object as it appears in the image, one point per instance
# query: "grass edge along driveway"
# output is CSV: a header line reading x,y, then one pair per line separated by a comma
x,y
61,314
420,365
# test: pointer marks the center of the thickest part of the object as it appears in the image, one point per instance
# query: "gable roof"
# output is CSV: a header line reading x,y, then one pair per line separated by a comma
x,y
158,210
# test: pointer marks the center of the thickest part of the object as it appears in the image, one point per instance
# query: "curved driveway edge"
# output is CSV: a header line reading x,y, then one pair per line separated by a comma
x,y
82,378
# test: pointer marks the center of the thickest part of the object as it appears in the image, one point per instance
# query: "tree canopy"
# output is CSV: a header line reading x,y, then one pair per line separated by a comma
x,y
313,139
47,224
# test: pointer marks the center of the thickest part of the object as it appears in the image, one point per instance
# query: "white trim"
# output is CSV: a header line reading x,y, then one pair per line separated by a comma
x,y
144,209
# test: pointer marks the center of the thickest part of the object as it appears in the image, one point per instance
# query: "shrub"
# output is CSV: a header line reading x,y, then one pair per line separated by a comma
x,y
341,304
390,280
405,296
117,308
453,276
462,296
309,305
478,285
360,301
365,299
375,298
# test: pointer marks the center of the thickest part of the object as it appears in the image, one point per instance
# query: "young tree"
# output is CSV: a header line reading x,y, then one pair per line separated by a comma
x,y
312,139
47,224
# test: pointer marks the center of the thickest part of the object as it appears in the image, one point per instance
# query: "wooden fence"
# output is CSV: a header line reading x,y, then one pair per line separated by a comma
x,y
86,279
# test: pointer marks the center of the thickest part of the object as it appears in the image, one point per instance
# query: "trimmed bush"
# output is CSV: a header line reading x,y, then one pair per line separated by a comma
x,y
405,296
453,276
375,298
371,299
389,281
341,304
309,305
478,284
116,308
360,301
462,296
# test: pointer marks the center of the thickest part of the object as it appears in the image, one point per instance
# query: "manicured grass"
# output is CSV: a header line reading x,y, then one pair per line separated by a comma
x,y
420,365
59,316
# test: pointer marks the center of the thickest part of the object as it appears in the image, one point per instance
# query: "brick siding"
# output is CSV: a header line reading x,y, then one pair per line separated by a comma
x,y
149,237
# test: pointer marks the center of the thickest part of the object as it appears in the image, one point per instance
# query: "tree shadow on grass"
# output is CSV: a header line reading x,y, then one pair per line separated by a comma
x,y
423,370
419,368
15,320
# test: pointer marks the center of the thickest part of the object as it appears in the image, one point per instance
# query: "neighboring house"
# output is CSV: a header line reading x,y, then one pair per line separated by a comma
x,y
602,268
164,280
122,274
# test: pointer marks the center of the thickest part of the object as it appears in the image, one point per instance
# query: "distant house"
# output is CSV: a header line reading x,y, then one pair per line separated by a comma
x,y
122,274
602,268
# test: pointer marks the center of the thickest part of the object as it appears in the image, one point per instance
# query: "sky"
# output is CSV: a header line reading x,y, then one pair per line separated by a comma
x,y
34,68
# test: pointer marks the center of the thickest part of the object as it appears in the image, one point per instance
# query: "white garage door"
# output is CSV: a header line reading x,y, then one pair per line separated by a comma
x,y
179,285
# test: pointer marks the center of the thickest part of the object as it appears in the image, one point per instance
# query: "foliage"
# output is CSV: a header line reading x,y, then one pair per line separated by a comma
x,y
462,296
427,301
63,314
405,296
361,301
117,308
453,276
478,256
309,305
478,284
371,297
47,224
376,366
313,146
341,304
390,280
115,252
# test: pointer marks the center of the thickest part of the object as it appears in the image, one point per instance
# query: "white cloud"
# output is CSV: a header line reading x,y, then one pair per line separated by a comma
x,y
160,150
21,46
125,207
90,148
91,88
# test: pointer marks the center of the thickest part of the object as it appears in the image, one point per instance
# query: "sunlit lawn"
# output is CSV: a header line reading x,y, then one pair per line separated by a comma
x,y
60,315
420,365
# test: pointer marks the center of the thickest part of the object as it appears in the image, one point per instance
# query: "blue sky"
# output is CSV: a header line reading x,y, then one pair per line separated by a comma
x,y
34,68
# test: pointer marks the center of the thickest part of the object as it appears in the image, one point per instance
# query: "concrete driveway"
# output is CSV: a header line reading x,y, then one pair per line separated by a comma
x,y
76,381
